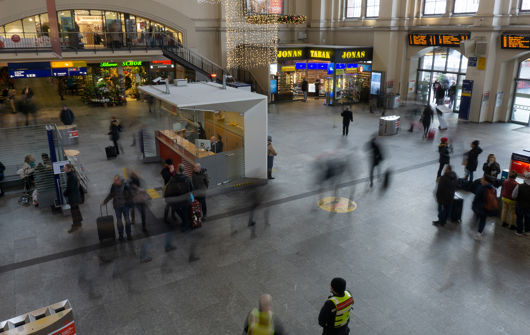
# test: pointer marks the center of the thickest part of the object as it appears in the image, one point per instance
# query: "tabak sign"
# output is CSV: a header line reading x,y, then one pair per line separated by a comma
x,y
264,6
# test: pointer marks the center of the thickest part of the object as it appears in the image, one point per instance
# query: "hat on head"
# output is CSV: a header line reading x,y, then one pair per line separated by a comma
x,y
269,138
338,285
444,139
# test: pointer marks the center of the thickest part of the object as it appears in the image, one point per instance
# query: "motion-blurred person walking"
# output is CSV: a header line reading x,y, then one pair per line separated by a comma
x,y
121,195
444,195
73,194
335,314
28,93
484,204
262,321
271,153
177,195
426,119
347,118
67,116
139,199
200,183
376,157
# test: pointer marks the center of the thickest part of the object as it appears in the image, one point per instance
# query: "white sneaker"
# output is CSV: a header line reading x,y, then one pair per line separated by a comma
x,y
478,237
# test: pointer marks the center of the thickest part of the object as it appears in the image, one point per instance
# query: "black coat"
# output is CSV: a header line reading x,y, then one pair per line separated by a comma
x,y
326,320
443,149
121,195
200,183
472,158
304,86
114,130
446,188
72,192
491,171
217,147
178,189
67,117
166,175
347,117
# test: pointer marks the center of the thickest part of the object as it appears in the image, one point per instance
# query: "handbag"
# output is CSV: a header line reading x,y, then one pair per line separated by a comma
x,y
140,196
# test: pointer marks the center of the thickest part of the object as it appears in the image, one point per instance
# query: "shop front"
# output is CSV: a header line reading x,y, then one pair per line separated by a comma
x,y
338,74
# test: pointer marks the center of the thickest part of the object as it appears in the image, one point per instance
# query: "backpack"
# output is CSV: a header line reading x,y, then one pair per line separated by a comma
x,y
490,200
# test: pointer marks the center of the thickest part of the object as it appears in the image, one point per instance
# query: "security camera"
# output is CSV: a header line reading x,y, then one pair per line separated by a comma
x,y
157,80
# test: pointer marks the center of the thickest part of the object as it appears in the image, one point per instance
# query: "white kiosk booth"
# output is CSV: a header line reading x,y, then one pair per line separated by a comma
x,y
224,129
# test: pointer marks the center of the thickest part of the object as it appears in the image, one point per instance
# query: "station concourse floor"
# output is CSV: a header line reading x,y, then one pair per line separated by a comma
x,y
406,275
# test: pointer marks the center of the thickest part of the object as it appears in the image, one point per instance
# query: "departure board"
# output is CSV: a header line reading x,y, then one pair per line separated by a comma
x,y
443,40
515,41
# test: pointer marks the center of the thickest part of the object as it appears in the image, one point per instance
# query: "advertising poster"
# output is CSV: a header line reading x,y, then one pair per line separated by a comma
x,y
276,7
375,84
274,86
264,6
465,102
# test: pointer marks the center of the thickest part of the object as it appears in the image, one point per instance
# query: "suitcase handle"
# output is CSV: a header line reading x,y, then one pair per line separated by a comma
x,y
106,210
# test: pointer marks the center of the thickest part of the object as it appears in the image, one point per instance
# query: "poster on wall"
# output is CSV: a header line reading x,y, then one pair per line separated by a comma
x,y
375,83
264,6
465,103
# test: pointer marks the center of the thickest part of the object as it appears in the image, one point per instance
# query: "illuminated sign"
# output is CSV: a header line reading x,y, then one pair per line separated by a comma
x,y
132,63
69,71
444,40
515,41
321,54
290,53
356,54
64,64
288,68
107,64
162,62
29,70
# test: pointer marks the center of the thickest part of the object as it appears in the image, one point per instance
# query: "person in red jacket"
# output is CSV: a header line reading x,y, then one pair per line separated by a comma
x,y
508,204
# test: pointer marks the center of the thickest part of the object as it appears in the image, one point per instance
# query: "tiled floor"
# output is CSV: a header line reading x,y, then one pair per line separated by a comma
x,y
407,276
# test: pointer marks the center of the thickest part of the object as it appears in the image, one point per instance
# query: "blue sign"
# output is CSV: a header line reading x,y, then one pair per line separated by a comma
x,y
274,86
331,68
365,67
34,73
472,62
28,66
301,66
465,101
317,66
69,71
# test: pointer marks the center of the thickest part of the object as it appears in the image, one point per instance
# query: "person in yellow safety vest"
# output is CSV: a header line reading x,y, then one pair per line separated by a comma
x,y
335,314
262,321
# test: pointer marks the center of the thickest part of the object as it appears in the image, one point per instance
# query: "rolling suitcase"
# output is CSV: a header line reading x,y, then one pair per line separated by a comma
x,y
105,225
457,208
195,214
111,152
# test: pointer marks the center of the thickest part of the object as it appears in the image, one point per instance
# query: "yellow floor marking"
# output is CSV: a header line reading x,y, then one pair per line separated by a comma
x,y
125,174
337,205
153,193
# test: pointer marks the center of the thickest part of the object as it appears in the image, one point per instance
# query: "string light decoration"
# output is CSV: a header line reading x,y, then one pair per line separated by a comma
x,y
248,45
272,18
209,2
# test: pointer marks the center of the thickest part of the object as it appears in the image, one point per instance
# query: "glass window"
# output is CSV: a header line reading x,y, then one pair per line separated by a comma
x,y
426,61
521,103
435,7
44,24
465,6
14,27
29,26
524,72
453,60
353,8
372,8
525,5
96,12
66,22
440,57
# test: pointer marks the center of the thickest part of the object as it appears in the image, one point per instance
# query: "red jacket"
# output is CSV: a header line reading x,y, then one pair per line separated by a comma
x,y
507,188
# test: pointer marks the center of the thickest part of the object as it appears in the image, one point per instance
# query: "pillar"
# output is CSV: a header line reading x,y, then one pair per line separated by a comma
x,y
54,26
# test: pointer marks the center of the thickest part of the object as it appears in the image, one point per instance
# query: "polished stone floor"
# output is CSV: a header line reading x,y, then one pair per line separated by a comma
x,y
407,276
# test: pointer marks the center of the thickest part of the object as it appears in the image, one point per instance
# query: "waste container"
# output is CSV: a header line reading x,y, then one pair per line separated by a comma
x,y
388,125
393,101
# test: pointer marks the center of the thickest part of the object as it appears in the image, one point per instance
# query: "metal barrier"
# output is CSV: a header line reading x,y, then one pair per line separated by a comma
x,y
53,319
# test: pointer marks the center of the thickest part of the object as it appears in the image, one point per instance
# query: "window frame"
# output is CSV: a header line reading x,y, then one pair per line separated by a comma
x,y
366,9
521,7
464,13
434,14
353,17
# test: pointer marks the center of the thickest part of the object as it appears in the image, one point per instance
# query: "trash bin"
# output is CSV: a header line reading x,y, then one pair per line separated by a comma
x,y
388,125
393,101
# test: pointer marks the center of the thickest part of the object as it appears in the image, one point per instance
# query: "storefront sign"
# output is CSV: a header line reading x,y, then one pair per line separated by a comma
x,y
444,40
465,103
288,68
69,71
107,64
515,41
29,70
355,54
291,53
63,64
320,54
15,38
317,66
351,70
132,63
162,64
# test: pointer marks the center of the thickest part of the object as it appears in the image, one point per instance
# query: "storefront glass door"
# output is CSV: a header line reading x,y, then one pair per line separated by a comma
x,y
521,101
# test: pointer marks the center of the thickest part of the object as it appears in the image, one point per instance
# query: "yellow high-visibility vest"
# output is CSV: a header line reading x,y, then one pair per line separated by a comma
x,y
260,323
343,306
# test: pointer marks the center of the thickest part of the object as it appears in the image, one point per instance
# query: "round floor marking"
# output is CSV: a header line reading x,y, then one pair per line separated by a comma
x,y
337,205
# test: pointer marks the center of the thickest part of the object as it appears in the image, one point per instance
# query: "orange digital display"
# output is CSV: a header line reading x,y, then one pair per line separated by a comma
x,y
515,41
444,40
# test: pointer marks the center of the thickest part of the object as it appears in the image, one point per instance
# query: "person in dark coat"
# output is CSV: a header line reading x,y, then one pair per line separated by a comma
x,y
305,85
479,205
491,169
168,171
440,95
114,132
73,194
445,194
471,161
444,151
521,194
2,169
150,102
426,119
376,159
177,195
200,183
67,116
347,117
216,146
341,300
121,195
139,201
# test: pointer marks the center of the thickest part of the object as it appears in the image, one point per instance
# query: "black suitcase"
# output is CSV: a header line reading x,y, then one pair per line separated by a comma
x,y
105,226
111,152
457,208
